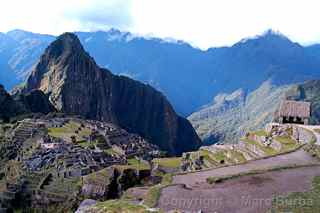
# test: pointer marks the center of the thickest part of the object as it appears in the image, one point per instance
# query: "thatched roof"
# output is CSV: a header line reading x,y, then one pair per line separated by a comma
x,y
295,109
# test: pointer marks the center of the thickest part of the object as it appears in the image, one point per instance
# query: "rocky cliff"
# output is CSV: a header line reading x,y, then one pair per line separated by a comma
x,y
34,101
76,85
8,107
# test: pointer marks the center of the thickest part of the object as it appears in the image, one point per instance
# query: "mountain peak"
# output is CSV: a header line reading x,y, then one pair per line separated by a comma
x,y
270,33
62,60
65,43
267,37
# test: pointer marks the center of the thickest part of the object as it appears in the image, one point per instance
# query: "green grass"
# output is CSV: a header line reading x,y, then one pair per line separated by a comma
x,y
121,206
168,162
260,133
110,151
86,144
287,143
219,156
238,155
68,130
212,158
215,156
138,164
266,149
300,202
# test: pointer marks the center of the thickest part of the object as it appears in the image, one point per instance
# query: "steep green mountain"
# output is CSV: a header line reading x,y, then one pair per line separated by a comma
x,y
189,77
76,85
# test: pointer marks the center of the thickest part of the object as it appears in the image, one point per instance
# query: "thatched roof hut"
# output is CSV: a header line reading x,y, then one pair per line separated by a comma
x,y
295,109
294,112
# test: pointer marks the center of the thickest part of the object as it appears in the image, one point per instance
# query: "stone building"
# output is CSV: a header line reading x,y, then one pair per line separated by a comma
x,y
297,112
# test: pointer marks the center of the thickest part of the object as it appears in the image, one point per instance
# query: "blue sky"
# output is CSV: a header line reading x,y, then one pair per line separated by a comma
x,y
203,23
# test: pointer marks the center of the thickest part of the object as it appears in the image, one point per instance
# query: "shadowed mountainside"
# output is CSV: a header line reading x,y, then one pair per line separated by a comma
x,y
76,85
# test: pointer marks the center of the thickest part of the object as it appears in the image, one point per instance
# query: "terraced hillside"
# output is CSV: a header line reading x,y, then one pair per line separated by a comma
x,y
55,163
257,185
275,140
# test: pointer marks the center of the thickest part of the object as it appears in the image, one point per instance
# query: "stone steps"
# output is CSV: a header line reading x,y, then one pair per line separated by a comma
x,y
23,132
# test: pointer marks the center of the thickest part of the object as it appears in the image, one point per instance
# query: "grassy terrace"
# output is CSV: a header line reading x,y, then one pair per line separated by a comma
x,y
287,143
260,133
213,158
138,164
86,144
238,155
299,202
111,151
69,130
116,206
168,162
266,149
132,164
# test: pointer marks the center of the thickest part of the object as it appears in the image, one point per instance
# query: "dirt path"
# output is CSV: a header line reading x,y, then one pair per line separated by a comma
x,y
247,194
298,157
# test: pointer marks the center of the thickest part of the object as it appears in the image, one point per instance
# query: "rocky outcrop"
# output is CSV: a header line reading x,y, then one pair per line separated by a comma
x,y
112,182
76,85
8,106
33,102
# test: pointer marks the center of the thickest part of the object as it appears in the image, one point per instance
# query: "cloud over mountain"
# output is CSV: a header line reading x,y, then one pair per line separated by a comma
x,y
102,14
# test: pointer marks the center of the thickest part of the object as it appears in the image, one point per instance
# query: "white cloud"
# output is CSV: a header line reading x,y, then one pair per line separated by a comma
x,y
55,17
204,23
223,22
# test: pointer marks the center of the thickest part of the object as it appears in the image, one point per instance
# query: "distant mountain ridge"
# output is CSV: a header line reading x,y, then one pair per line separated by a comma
x,y
189,77
76,85
230,116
